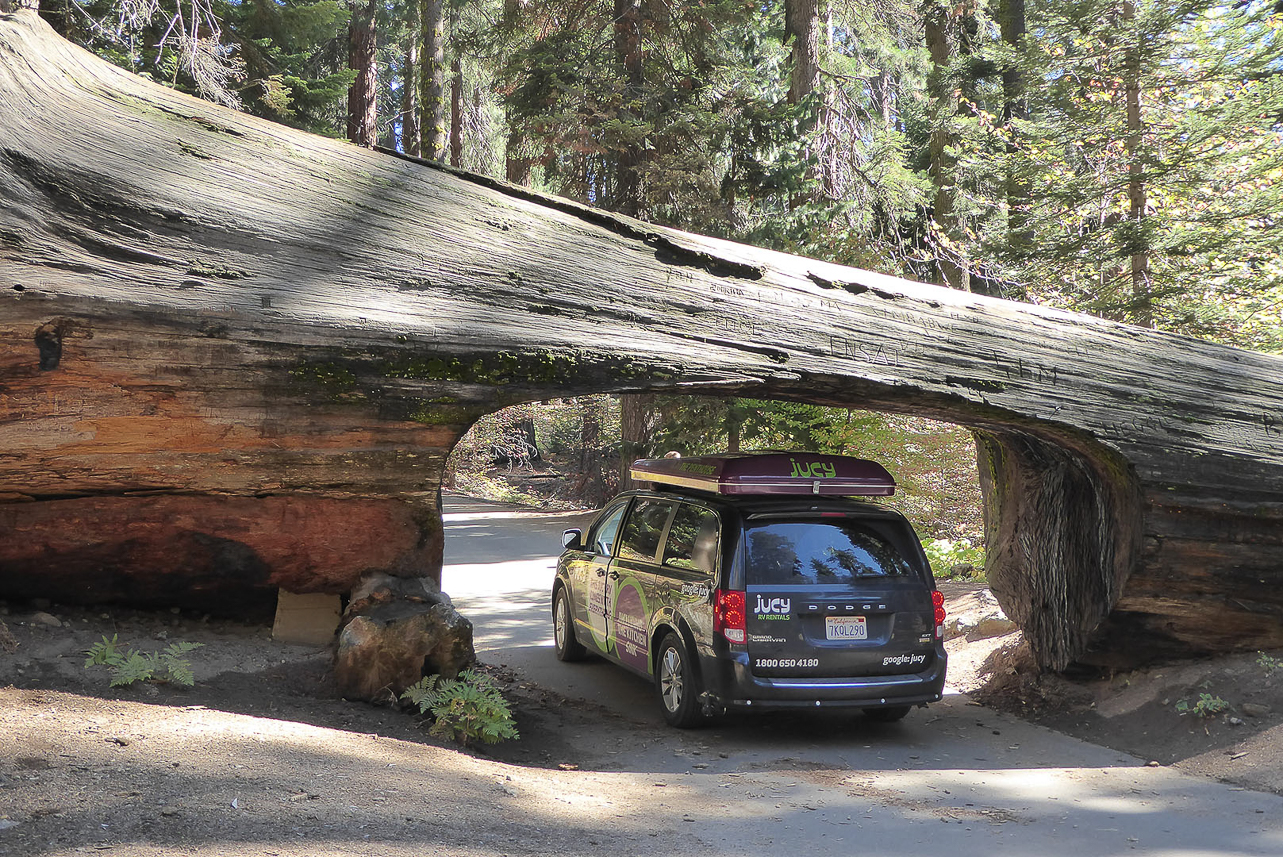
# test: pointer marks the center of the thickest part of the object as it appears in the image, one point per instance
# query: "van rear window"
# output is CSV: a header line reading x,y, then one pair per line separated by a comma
x,y
812,552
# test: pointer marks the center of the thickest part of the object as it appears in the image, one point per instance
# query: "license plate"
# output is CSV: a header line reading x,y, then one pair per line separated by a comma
x,y
845,628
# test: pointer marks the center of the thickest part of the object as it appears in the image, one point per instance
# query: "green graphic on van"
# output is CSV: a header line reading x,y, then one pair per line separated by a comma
x,y
628,625
814,470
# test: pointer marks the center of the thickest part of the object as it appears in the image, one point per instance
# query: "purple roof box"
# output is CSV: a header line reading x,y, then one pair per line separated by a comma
x,y
770,473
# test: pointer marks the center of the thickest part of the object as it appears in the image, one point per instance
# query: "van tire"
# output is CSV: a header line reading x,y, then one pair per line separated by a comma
x,y
567,647
676,683
887,713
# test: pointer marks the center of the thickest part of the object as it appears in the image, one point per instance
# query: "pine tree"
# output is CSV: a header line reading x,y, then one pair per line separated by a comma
x,y
362,97
432,82
1153,160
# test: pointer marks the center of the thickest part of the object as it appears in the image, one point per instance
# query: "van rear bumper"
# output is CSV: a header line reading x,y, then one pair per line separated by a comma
x,y
734,686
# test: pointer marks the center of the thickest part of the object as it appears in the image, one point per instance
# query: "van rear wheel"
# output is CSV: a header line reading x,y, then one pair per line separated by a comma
x,y
678,687
886,713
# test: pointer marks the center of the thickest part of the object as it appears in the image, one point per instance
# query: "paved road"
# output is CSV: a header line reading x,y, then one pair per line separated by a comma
x,y
955,776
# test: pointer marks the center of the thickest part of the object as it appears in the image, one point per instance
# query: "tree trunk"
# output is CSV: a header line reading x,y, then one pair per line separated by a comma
x,y
636,413
234,357
734,428
456,111
802,30
516,163
949,249
516,160
593,487
1142,297
882,98
628,54
362,97
1014,107
432,82
411,136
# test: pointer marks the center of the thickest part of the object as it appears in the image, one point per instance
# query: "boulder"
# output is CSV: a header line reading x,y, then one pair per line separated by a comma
x,y
395,631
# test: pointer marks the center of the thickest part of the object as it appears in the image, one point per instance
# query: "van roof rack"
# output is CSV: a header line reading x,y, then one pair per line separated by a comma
x,y
769,473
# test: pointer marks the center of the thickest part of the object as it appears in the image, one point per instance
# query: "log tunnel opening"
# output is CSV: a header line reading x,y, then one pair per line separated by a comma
x,y
1062,516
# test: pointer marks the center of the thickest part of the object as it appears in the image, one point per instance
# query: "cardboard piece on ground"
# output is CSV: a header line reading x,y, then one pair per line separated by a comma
x,y
310,618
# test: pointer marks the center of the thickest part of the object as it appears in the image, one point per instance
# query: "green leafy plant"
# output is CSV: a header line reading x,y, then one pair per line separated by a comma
x,y
467,709
1206,707
948,554
168,666
1269,663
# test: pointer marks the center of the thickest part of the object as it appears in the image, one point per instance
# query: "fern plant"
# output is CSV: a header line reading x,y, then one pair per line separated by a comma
x,y
1206,707
467,709
168,666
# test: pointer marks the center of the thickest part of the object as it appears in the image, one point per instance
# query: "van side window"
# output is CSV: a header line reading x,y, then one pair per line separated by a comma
x,y
602,538
692,540
644,529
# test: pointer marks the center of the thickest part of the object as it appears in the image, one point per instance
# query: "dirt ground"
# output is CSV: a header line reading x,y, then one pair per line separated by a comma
x,y
1220,717
178,781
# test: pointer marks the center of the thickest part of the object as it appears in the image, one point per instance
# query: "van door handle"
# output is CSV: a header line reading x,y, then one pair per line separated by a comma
x,y
614,575
601,572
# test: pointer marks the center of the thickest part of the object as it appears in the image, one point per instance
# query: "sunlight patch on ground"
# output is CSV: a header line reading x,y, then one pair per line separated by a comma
x,y
455,517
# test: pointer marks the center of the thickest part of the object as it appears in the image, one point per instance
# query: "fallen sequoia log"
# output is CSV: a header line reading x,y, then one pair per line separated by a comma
x,y
234,357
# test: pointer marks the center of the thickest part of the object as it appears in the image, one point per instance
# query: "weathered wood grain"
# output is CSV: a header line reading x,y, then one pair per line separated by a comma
x,y
197,303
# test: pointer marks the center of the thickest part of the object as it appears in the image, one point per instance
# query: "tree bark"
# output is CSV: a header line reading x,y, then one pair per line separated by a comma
x,y
1142,298
516,162
432,82
635,427
234,356
411,135
1014,108
802,32
628,55
949,249
456,111
595,485
362,97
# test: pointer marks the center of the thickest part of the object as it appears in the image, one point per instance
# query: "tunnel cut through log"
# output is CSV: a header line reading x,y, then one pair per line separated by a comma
x,y
239,354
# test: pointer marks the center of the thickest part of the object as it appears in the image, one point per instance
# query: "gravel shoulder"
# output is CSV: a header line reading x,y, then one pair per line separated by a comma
x,y
261,754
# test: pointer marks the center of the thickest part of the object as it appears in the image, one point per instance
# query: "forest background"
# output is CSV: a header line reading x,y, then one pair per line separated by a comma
x,y
1122,158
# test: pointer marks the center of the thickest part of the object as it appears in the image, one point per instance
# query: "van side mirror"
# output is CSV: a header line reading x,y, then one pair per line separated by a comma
x,y
572,540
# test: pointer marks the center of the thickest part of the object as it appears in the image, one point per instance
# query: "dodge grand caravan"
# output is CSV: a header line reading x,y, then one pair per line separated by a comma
x,y
754,581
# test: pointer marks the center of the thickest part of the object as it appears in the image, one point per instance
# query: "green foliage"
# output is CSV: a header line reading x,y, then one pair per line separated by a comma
x,y
168,666
933,463
1205,153
295,60
947,554
467,709
1206,707
1269,663
104,652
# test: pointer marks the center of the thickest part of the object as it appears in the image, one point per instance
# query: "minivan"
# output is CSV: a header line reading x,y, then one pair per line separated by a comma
x,y
756,581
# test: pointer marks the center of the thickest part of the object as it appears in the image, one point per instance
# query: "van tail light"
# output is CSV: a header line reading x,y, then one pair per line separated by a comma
x,y
730,615
937,601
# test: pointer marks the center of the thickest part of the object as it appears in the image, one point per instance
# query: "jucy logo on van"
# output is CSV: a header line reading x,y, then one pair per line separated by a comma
x,y
773,608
